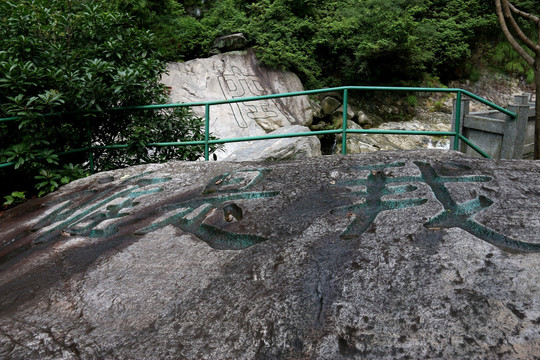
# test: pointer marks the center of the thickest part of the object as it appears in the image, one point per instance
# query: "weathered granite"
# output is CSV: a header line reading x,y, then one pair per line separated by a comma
x,y
289,148
329,104
362,143
234,75
391,255
228,43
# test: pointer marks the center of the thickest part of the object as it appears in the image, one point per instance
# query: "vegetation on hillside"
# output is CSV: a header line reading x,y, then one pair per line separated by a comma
x,y
329,42
71,55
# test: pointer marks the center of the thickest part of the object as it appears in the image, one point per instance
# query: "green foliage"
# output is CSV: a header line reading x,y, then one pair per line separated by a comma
x,y
283,39
438,106
508,59
372,43
448,29
52,179
330,42
138,134
412,101
71,56
505,57
161,17
14,198
530,6
198,33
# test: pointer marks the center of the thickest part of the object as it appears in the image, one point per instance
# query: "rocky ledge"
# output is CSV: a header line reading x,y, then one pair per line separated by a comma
x,y
391,255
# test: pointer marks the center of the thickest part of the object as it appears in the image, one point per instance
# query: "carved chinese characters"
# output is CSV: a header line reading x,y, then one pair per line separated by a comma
x,y
206,211
377,185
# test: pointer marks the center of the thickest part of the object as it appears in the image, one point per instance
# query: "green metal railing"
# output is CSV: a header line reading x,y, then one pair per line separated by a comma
x,y
457,136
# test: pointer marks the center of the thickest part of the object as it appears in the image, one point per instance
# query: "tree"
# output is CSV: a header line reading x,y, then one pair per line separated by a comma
x,y
526,47
162,18
337,42
74,57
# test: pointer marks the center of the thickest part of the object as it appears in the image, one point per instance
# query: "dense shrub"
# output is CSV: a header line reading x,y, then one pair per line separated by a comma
x,y
330,42
71,56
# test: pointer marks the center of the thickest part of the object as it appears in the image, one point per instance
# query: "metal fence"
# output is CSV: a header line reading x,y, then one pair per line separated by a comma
x,y
457,136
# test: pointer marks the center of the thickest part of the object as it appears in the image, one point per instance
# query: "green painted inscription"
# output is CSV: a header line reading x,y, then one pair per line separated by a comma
x,y
98,215
189,215
453,215
101,213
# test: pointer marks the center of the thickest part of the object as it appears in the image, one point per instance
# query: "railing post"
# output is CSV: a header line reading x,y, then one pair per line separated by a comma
x,y
516,129
206,131
457,121
345,110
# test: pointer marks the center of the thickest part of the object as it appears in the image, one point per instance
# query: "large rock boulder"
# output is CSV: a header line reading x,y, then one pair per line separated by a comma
x,y
236,75
391,255
228,43
362,143
289,148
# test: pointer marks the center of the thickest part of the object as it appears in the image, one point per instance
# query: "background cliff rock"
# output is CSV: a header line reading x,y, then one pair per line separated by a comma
x,y
289,148
235,75
391,255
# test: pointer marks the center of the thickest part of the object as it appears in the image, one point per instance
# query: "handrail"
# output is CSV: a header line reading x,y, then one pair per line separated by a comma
x,y
344,131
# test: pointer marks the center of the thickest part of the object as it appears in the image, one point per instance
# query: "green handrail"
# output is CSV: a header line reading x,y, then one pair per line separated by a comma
x,y
344,131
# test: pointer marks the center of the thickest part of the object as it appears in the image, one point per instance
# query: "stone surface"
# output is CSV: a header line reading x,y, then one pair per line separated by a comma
x,y
329,104
280,149
236,75
316,109
391,255
228,43
360,143
364,120
337,116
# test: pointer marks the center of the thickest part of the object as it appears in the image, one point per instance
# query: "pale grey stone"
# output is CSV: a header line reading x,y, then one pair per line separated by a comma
x,y
236,75
390,255
364,120
360,143
337,116
228,43
316,109
280,149
329,104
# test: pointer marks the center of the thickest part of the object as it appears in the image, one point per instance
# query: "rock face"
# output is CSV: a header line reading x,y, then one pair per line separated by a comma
x,y
362,143
236,75
329,115
280,149
391,255
228,43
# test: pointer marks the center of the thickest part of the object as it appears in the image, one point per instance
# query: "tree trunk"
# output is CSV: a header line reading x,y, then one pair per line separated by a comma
x,y
504,11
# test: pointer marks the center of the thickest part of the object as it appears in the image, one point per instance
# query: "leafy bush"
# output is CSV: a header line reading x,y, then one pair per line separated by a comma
x,y
508,59
14,198
162,18
80,58
370,44
330,42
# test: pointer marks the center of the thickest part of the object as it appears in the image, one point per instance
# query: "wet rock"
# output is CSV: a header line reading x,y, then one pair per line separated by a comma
x,y
382,256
